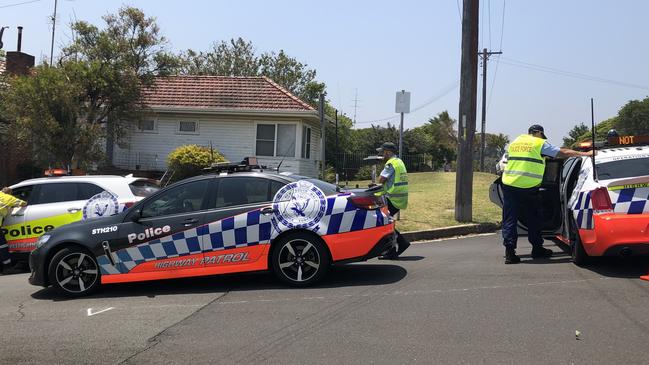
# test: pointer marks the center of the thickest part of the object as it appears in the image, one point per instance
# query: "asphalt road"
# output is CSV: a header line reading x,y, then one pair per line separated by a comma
x,y
451,301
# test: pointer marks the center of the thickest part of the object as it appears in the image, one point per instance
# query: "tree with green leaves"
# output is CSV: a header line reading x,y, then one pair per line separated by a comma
x,y
239,58
93,91
633,118
49,108
574,134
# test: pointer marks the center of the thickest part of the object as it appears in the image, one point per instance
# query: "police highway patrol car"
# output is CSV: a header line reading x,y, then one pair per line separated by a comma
x,y
604,212
217,224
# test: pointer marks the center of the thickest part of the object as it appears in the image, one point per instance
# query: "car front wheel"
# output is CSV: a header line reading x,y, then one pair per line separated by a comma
x,y
300,259
74,272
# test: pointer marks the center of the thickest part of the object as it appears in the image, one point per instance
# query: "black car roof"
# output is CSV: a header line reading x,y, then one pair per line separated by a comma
x,y
273,176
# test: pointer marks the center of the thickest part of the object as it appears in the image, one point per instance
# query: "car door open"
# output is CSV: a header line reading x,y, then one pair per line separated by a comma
x,y
549,204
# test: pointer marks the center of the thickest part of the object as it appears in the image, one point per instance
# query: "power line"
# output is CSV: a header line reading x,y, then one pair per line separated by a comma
x,y
500,48
489,17
426,103
17,4
556,71
502,28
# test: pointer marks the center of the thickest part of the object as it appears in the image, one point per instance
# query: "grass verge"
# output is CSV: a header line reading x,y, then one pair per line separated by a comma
x,y
431,201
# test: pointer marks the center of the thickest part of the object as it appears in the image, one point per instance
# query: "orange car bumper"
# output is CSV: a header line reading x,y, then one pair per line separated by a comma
x,y
617,234
361,245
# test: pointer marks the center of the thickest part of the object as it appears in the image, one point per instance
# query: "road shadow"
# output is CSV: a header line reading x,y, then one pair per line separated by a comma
x,y
619,267
410,258
558,257
613,267
339,276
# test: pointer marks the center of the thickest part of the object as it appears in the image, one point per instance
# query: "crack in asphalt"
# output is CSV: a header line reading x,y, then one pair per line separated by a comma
x,y
155,340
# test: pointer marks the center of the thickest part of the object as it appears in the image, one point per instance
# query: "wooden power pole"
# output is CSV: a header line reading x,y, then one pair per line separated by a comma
x,y
467,115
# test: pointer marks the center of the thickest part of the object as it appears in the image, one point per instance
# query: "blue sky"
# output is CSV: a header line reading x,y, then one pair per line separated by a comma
x,y
379,47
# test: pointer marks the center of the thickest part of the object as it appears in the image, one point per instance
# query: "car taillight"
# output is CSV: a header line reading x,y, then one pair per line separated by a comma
x,y
366,202
601,200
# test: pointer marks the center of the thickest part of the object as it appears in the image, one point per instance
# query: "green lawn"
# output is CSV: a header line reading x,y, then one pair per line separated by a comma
x,y
431,203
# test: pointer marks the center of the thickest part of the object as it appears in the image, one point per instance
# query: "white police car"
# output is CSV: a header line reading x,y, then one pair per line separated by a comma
x,y
55,201
605,213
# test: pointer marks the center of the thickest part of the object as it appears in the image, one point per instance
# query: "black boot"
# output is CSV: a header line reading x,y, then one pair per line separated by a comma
x,y
402,244
510,256
540,252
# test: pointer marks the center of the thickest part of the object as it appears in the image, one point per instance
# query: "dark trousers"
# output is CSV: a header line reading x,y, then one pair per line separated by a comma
x,y
521,203
5,259
401,241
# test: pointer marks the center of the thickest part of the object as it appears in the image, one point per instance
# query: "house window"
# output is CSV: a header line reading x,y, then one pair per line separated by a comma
x,y
265,140
276,140
190,127
146,125
306,142
285,140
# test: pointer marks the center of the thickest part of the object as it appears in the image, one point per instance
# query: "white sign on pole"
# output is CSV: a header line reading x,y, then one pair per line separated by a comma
x,y
403,102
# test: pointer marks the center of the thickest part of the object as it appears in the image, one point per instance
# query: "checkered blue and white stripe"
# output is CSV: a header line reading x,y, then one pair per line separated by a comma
x,y
625,201
243,230
583,211
630,201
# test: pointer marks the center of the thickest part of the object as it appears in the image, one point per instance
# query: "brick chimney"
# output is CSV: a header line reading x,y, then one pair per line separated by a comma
x,y
19,63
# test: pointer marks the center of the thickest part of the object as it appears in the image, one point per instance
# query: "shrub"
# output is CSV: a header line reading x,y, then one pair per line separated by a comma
x,y
365,172
189,160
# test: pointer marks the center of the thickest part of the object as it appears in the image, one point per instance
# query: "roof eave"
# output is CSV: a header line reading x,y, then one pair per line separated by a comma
x,y
306,114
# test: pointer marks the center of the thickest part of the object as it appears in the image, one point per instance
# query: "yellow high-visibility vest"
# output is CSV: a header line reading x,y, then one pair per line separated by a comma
x,y
525,165
6,203
398,191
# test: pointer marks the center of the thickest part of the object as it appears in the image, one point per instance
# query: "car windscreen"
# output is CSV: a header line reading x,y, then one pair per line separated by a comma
x,y
143,188
623,168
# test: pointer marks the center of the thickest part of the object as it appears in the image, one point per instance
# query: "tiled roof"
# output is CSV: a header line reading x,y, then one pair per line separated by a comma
x,y
222,92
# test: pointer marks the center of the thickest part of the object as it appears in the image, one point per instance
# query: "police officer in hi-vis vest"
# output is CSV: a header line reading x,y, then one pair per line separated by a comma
x,y
521,179
394,178
7,202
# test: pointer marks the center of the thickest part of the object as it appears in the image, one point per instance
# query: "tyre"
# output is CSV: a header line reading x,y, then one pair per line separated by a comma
x,y
300,259
74,272
579,255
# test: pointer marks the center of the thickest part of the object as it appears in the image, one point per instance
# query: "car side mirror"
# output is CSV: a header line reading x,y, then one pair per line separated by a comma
x,y
136,215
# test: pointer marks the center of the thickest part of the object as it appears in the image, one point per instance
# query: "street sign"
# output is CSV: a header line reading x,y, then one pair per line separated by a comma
x,y
403,102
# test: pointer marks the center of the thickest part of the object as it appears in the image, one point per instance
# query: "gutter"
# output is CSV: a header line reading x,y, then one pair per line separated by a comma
x,y
306,114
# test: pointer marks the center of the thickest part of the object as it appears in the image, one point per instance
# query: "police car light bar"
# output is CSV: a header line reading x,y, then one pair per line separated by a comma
x,y
227,167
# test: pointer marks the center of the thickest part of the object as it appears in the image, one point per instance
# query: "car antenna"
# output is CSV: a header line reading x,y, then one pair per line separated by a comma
x,y
286,153
592,130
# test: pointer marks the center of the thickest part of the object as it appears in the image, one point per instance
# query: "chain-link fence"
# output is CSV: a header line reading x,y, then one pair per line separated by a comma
x,y
353,166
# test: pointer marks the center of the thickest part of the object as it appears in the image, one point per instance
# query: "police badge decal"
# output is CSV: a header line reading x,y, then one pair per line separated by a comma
x,y
298,205
101,205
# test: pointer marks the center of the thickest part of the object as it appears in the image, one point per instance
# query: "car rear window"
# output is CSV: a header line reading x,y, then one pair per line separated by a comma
x,y
143,188
623,168
327,188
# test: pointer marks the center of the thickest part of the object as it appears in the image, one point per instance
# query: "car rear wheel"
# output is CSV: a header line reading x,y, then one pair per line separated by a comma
x,y
579,255
74,272
300,259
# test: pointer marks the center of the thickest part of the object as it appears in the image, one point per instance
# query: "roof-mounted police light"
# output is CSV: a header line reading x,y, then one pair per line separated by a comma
x,y
55,172
247,165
